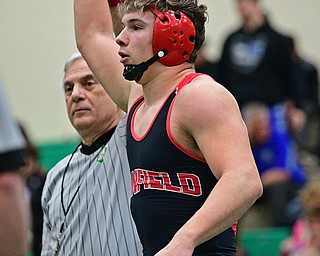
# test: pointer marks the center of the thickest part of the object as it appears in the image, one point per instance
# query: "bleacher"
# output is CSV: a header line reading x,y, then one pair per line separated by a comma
x,y
52,152
263,241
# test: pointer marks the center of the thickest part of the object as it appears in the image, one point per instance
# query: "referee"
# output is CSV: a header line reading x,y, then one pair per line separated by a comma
x,y
86,195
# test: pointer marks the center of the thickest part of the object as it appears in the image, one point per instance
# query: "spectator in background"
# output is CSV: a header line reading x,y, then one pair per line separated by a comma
x,y
13,206
305,239
308,81
34,178
277,160
204,64
257,65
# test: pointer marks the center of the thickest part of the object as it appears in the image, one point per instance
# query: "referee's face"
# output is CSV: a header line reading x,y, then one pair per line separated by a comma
x,y
90,109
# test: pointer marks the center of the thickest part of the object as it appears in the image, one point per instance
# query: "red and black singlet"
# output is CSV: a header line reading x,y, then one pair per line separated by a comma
x,y
169,184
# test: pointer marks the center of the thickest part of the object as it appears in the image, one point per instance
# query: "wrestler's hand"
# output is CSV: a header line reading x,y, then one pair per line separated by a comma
x,y
177,247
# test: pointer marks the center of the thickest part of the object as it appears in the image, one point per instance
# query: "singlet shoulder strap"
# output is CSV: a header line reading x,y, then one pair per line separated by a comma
x,y
187,79
136,103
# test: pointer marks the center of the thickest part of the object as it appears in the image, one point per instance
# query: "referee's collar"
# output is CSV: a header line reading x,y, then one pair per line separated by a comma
x,y
101,141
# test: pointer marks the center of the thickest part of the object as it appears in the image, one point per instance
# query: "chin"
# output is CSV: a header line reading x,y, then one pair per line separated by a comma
x,y
80,124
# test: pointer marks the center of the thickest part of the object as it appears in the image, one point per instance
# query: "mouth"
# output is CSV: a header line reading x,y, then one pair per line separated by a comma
x,y
123,57
79,111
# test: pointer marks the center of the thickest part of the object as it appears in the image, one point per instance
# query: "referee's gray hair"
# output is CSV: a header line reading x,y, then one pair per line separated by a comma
x,y
73,57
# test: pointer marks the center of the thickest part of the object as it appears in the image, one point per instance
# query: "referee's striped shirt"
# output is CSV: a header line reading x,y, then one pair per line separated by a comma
x,y
99,221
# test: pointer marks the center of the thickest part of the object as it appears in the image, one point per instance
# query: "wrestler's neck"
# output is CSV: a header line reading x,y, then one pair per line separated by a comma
x,y
159,82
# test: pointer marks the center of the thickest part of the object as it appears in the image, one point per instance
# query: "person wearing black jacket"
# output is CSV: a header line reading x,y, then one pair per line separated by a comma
x,y
256,62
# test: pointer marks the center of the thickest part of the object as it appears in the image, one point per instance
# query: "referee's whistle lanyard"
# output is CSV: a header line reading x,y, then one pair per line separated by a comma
x,y
65,210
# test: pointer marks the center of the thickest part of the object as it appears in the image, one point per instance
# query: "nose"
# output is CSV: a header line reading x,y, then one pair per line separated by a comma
x,y
121,38
77,93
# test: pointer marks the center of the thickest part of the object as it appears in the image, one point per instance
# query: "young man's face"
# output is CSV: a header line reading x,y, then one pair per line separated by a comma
x,y
135,40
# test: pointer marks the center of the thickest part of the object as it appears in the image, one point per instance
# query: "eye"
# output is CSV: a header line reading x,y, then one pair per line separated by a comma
x,y
68,88
90,83
136,27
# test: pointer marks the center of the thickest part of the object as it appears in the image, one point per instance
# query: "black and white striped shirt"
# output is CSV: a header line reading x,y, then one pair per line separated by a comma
x,y
99,221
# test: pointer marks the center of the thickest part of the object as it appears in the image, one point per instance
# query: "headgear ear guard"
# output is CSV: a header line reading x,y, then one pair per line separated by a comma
x,y
174,32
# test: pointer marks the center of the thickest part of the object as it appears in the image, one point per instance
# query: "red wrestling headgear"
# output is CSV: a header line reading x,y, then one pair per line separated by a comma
x,y
173,31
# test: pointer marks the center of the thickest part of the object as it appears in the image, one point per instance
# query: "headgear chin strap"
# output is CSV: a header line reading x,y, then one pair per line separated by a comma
x,y
135,72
